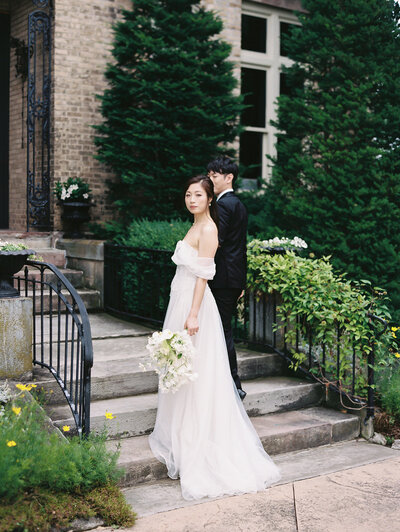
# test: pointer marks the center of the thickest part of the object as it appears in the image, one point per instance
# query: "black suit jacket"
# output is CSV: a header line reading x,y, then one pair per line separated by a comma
x,y
230,259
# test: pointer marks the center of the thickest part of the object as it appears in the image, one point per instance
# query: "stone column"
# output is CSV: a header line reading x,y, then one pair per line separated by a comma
x,y
16,338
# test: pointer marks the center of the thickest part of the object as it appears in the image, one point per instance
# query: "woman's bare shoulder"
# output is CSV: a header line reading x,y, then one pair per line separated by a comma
x,y
209,230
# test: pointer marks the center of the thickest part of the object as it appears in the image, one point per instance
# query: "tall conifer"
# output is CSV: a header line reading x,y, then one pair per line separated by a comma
x,y
170,105
336,179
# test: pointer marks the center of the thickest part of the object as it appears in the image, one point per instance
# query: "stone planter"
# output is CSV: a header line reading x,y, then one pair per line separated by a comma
x,y
10,263
75,214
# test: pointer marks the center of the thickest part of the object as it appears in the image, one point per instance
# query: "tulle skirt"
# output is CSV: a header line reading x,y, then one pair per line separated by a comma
x,y
202,432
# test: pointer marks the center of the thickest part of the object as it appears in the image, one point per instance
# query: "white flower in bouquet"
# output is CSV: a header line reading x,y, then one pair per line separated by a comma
x,y
171,357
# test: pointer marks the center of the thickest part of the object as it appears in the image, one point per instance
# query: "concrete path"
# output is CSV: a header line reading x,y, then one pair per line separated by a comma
x,y
359,491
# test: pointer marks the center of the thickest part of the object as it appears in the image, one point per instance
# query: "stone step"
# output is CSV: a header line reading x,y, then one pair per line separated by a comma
x,y
116,371
165,494
54,256
135,415
282,432
91,299
36,242
75,277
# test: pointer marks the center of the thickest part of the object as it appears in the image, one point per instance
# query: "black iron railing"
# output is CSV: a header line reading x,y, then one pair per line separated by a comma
x,y
137,282
62,340
340,364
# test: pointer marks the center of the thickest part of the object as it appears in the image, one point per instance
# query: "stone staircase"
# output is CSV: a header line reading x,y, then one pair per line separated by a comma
x,y
287,412
44,245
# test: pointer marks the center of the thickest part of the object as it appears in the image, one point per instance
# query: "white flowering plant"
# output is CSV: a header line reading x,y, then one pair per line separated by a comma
x,y
73,189
284,242
278,245
171,357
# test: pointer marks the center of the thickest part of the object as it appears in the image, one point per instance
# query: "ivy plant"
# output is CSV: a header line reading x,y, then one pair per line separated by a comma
x,y
325,310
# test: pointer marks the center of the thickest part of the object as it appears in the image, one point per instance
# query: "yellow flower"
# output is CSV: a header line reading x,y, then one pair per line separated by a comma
x,y
11,443
21,386
16,410
397,355
394,336
394,329
109,415
66,428
33,385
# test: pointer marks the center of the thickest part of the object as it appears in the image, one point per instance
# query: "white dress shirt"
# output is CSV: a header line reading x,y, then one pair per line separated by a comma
x,y
224,192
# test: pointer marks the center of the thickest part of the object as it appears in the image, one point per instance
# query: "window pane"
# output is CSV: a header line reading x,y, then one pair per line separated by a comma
x,y
254,89
251,154
285,33
254,33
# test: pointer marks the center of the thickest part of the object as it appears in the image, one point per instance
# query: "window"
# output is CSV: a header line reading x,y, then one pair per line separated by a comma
x,y
284,33
254,33
254,90
264,52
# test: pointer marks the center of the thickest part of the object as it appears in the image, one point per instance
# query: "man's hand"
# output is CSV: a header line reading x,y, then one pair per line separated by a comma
x,y
192,325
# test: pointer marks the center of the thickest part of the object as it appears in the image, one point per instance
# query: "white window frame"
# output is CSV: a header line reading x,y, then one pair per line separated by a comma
x,y
271,61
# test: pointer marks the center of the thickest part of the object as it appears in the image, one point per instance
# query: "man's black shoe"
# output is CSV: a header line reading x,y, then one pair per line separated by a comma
x,y
242,393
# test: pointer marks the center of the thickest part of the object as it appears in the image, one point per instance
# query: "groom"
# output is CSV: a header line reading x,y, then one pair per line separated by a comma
x,y
230,259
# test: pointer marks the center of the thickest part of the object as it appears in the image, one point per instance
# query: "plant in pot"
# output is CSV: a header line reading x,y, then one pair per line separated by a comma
x,y
74,195
12,258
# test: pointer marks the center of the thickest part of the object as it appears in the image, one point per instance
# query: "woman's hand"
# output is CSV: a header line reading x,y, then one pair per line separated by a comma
x,y
192,325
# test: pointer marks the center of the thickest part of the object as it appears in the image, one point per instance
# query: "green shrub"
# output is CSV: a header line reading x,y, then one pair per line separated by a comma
x,y
154,234
31,457
388,386
324,301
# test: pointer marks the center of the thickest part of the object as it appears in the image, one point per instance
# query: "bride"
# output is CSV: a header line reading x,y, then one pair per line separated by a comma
x,y
202,432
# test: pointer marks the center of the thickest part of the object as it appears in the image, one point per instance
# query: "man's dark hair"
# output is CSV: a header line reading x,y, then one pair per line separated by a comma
x,y
223,165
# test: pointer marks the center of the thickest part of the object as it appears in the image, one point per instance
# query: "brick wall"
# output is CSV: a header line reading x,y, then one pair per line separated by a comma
x,y
230,12
82,44
82,37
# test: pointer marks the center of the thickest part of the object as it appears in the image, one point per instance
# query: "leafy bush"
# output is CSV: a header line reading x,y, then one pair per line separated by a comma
x,y
388,386
324,302
32,457
154,234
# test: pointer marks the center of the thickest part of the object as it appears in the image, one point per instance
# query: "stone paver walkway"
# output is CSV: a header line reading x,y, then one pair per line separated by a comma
x,y
358,499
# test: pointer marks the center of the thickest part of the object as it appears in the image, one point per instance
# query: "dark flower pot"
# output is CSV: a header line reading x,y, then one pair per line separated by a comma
x,y
75,213
10,263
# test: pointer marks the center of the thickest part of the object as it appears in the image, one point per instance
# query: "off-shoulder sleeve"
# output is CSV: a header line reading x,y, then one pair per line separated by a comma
x,y
203,267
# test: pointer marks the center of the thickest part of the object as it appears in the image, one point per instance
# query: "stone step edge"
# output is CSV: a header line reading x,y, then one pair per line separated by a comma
x,y
147,468
148,379
139,418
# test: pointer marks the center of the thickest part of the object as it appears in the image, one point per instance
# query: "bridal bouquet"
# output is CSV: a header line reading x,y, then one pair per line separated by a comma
x,y
171,357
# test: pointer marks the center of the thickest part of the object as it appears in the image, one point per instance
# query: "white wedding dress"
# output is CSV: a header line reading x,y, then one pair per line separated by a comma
x,y
202,432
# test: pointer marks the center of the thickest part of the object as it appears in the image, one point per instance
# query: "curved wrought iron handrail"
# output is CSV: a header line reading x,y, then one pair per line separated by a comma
x,y
74,377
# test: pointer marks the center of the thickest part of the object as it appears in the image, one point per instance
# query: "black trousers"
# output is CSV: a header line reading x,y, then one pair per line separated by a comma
x,y
226,299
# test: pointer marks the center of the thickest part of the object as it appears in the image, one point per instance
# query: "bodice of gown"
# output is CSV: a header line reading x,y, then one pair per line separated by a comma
x,y
189,266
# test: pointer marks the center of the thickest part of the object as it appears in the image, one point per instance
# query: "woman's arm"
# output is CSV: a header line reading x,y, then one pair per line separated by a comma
x,y
208,243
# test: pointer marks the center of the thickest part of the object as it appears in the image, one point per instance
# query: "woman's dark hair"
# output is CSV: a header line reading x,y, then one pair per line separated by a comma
x,y
208,186
223,165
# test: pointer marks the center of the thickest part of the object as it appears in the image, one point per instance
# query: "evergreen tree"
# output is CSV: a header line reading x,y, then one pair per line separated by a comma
x,y
170,105
336,179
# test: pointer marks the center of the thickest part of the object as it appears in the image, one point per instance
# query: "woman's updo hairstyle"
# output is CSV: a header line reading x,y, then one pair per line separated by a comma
x,y
208,186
